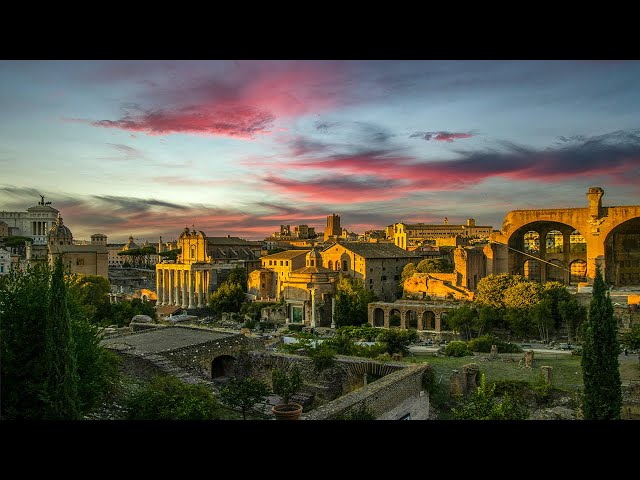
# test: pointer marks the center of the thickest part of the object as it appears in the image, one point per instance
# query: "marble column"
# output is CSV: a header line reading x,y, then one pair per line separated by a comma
x,y
199,288
176,287
313,308
191,289
169,287
438,322
333,312
158,287
185,294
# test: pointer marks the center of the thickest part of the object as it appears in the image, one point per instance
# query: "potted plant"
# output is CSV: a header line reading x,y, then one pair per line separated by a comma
x,y
285,385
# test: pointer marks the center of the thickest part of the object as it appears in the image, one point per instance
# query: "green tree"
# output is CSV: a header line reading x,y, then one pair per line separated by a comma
x,y
61,389
573,315
484,405
167,398
286,384
238,275
542,315
397,341
631,339
171,254
90,293
463,319
435,265
227,298
600,368
556,292
122,312
244,394
492,288
407,272
24,305
352,301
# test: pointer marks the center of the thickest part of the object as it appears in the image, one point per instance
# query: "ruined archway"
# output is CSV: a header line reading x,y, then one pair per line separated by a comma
x,y
429,320
532,242
394,318
378,317
622,254
554,242
411,319
578,271
555,271
221,366
443,321
531,270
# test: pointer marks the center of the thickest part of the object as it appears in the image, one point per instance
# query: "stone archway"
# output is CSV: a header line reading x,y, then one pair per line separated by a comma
x,y
221,366
411,319
395,317
378,317
622,253
555,271
531,270
428,320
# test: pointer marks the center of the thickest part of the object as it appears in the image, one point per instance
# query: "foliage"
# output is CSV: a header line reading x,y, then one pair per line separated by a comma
x,y
254,309
352,300
227,298
123,311
457,349
407,272
600,367
397,341
577,352
556,293
363,332
264,326
295,327
394,320
286,384
244,394
573,315
463,319
492,288
435,265
89,295
484,405
167,398
323,356
542,315
238,275
171,254
24,304
361,412
342,344
631,339
543,390
250,323
61,388
483,344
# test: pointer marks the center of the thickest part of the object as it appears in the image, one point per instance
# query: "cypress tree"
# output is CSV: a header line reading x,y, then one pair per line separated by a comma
x,y
61,392
600,368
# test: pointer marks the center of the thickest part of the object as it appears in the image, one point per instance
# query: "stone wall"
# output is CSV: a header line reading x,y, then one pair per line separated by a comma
x,y
275,314
383,397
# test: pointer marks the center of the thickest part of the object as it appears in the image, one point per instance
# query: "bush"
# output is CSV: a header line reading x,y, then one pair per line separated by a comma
x,y
364,332
397,341
631,339
483,405
286,384
244,394
394,321
483,344
577,351
250,324
295,327
457,349
167,398
543,391
322,355
264,326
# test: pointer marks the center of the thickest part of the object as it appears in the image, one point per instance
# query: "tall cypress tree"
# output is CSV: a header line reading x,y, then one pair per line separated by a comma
x,y
61,392
600,368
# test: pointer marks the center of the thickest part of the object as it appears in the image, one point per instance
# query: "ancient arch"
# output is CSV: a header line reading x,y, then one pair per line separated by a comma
x,y
378,317
531,270
411,319
395,318
330,265
429,320
556,273
221,365
622,253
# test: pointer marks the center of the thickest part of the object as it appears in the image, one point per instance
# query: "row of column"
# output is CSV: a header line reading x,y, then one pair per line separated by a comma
x,y
182,288
404,320
38,228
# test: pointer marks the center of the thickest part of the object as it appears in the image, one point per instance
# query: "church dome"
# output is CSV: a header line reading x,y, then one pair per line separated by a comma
x,y
314,259
130,245
60,232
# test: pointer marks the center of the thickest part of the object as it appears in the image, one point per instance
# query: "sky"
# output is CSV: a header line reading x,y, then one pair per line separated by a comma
x,y
145,148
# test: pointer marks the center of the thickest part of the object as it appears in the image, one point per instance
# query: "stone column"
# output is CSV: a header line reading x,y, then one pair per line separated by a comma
x,y
191,289
165,286
543,256
546,372
566,255
170,286
198,279
420,320
386,319
176,284
438,321
159,287
185,294
403,319
313,308
333,314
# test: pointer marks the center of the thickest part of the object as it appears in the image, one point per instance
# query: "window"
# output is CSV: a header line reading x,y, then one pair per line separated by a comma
x,y
287,263
345,265
370,281
281,263
383,269
312,263
270,262
80,261
330,265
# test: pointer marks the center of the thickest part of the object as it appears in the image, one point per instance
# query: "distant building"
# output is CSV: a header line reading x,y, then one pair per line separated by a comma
x,y
407,235
280,265
378,265
4,230
5,261
85,259
34,223
333,230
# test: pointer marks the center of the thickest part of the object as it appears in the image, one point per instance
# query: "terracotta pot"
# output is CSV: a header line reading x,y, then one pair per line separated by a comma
x,y
287,411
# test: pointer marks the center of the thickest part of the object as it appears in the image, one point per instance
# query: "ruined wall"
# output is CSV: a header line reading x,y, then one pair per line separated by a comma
x,y
383,396
419,285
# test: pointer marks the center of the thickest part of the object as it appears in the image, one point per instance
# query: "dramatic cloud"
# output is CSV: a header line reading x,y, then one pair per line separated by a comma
x,y
448,137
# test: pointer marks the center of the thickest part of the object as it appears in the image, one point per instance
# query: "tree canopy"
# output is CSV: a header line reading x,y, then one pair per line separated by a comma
x,y
352,301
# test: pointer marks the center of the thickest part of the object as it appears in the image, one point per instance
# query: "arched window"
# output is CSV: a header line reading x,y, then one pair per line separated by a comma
x,y
193,252
330,265
345,265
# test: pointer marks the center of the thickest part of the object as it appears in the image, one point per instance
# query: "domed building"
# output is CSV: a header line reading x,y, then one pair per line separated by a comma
x,y
89,259
130,245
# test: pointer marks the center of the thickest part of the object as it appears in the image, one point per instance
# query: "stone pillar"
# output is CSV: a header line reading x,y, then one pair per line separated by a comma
x,y
528,359
419,318
333,316
313,308
176,290
494,352
386,319
403,319
199,288
159,287
546,371
191,289
438,321
169,287
543,255
185,293
566,255
457,384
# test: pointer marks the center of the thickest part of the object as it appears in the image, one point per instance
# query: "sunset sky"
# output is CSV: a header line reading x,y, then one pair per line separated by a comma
x,y
145,148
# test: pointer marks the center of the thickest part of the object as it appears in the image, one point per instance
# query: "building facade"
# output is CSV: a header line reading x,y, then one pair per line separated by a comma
x,y
35,223
5,261
407,235
333,230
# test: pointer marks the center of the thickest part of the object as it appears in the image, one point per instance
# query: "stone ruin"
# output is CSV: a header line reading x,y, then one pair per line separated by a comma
x,y
528,359
465,381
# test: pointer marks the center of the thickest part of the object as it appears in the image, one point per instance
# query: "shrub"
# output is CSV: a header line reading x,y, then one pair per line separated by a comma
x,y
264,326
397,341
577,351
483,344
483,405
167,398
295,327
322,355
364,332
286,384
631,339
394,321
457,349
244,394
543,390
343,344
250,324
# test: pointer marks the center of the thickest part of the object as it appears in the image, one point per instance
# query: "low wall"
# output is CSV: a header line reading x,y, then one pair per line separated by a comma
x,y
383,397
